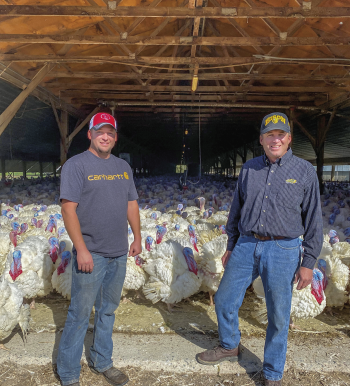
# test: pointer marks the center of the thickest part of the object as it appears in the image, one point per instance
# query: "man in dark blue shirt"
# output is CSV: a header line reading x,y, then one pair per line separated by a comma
x,y
276,200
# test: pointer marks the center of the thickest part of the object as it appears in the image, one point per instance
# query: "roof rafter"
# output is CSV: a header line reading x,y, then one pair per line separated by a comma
x,y
176,40
179,12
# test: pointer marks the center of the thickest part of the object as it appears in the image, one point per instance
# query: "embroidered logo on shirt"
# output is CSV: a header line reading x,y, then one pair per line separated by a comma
x,y
291,181
108,177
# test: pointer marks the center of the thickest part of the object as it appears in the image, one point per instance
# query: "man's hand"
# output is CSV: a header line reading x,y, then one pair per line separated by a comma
x,y
135,248
303,277
225,258
85,261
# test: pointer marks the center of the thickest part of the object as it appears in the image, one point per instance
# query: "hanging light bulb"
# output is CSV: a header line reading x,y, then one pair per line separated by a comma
x,y
186,132
184,145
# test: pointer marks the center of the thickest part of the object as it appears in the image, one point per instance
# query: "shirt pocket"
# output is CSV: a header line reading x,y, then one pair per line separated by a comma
x,y
290,196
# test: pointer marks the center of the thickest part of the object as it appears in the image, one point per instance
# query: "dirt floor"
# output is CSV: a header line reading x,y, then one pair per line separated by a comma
x,y
14,375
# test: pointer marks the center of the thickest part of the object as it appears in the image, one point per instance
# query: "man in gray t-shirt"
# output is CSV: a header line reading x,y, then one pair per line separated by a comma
x,y
98,199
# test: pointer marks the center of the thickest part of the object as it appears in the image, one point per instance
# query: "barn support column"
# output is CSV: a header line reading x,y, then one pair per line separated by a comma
x,y
9,113
243,154
319,148
318,142
64,134
332,172
24,169
66,138
41,169
54,169
3,171
234,162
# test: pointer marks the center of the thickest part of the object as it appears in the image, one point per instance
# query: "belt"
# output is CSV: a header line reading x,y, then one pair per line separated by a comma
x,y
266,238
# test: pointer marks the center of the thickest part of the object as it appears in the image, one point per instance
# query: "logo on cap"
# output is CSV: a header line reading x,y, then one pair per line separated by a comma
x,y
275,119
101,119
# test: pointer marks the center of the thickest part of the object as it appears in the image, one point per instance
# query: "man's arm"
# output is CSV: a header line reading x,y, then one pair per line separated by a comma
x,y
71,222
313,232
134,221
233,220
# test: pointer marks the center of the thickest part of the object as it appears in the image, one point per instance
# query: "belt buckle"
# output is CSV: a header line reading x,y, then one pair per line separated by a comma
x,y
256,236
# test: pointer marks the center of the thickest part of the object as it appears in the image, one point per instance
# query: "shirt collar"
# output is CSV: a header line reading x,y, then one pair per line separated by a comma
x,y
281,161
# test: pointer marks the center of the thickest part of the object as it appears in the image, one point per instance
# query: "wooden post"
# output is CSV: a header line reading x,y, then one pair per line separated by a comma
x,y
54,169
332,172
318,142
3,171
64,135
9,113
319,148
63,126
234,162
41,169
24,169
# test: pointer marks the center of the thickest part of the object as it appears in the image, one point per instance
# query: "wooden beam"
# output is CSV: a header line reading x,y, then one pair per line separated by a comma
x,y
252,89
306,132
177,40
139,61
179,12
77,129
138,21
329,124
182,76
41,93
10,112
159,97
197,104
205,91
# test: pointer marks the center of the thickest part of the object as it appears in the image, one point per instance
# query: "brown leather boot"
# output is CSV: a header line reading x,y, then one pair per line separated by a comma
x,y
113,376
272,383
217,355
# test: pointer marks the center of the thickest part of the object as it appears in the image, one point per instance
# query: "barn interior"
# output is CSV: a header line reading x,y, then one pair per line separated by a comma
x,y
187,80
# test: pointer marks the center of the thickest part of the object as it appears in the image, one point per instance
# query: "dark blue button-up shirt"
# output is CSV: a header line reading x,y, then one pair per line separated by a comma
x,y
278,199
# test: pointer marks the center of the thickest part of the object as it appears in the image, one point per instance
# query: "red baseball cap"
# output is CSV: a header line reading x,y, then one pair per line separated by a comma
x,y
101,119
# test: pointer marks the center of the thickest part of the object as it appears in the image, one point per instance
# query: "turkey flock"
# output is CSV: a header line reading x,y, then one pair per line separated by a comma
x,y
183,239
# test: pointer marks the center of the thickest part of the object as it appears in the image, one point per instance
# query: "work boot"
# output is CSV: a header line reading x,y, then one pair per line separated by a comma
x,y
272,383
217,355
113,376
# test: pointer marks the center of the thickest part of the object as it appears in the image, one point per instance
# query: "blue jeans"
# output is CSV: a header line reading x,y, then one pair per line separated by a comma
x,y
277,262
102,287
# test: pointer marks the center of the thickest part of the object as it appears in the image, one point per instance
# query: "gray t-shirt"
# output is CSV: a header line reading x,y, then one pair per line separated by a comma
x,y
102,189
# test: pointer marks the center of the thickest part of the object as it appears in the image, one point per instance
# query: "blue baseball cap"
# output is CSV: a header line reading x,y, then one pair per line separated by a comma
x,y
274,121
